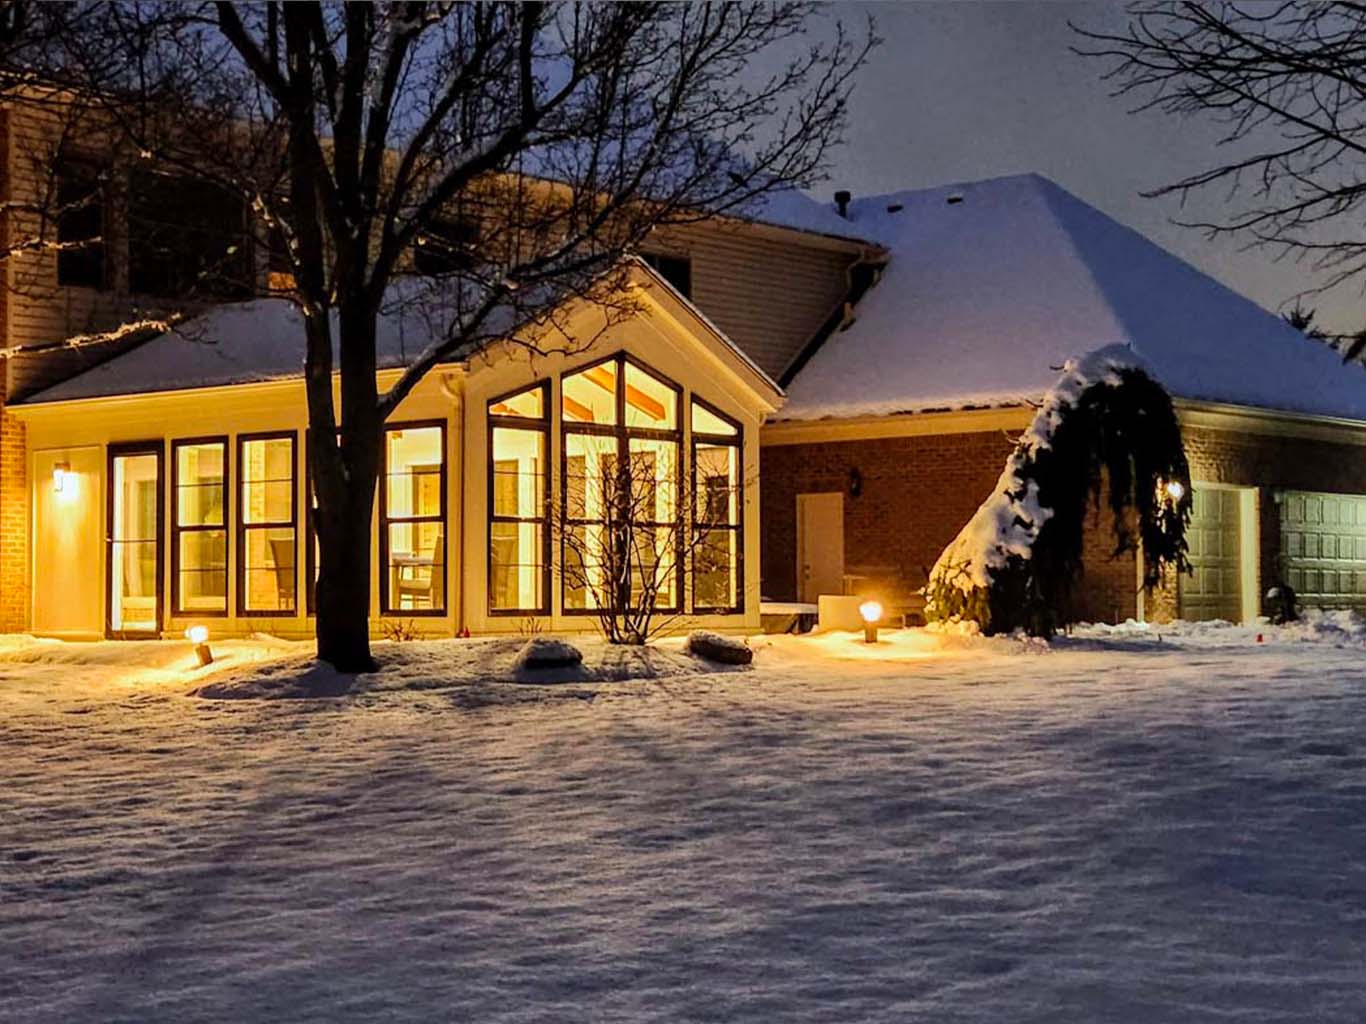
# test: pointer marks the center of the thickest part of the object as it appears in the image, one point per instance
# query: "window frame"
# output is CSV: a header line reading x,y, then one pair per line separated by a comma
x,y
443,518
736,441
222,440
113,451
76,168
219,288
492,421
623,436
242,527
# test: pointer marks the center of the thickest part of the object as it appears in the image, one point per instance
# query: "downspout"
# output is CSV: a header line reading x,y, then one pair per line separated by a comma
x,y
457,400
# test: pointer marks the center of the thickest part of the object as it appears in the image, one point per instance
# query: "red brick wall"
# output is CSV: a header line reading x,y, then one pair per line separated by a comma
x,y
916,494
14,526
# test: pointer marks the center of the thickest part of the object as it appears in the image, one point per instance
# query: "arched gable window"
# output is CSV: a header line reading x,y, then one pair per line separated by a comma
x,y
518,473
622,441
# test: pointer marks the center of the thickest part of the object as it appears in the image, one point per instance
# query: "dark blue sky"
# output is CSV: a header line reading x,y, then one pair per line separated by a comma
x,y
973,90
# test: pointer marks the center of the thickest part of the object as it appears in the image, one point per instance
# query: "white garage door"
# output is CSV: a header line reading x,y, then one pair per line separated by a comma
x,y
1323,548
1215,589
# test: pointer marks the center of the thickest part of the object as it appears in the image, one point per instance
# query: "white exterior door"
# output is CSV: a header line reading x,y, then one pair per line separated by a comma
x,y
1215,536
1323,548
820,545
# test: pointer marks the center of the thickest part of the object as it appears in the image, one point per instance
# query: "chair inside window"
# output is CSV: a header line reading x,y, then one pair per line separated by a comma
x,y
282,557
417,581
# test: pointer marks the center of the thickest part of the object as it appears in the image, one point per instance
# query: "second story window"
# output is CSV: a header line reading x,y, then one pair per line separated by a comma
x,y
447,248
186,237
677,270
80,227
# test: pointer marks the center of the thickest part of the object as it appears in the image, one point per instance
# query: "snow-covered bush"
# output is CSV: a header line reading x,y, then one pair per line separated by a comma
x,y
1106,426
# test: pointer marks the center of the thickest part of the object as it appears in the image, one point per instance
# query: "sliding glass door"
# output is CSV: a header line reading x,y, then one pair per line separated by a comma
x,y
133,540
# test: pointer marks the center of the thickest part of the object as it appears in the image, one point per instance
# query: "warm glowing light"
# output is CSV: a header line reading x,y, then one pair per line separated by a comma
x,y
871,612
197,634
63,480
1175,490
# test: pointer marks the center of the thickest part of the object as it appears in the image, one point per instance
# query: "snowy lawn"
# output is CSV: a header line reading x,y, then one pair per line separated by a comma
x,y
1115,828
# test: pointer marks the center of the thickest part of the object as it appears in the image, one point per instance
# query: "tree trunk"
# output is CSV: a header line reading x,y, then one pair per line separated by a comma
x,y
343,600
345,476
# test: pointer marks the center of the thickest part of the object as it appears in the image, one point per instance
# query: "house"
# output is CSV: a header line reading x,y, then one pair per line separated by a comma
x,y
159,480
897,427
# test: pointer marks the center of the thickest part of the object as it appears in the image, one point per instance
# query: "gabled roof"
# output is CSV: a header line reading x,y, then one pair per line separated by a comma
x,y
263,340
993,285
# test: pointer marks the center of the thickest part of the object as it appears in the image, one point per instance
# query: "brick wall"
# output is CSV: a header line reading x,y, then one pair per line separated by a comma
x,y
916,494
14,526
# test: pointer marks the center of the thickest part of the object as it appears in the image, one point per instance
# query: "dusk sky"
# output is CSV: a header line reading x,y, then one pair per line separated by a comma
x,y
965,91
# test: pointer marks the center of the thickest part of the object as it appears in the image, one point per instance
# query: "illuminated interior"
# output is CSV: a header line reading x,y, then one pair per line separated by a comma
x,y
267,531
133,542
621,484
414,518
717,506
200,543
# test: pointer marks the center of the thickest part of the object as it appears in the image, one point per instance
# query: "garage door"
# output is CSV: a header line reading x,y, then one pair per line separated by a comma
x,y
1323,548
1215,589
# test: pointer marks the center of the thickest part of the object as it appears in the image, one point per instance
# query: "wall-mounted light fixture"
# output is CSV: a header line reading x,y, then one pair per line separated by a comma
x,y
63,480
855,483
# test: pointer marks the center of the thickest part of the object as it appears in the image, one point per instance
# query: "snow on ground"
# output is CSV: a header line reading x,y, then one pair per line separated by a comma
x,y
1130,824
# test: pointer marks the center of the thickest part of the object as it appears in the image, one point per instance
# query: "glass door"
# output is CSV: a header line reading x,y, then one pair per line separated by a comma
x,y
134,540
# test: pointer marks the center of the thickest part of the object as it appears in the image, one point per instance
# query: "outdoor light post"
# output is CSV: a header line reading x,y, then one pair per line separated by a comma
x,y
199,636
871,611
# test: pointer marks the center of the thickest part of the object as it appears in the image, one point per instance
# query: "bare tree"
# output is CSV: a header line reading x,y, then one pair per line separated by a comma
x,y
535,143
1286,83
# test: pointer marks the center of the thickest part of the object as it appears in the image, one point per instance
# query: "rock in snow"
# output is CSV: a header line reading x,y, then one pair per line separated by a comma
x,y
543,652
728,650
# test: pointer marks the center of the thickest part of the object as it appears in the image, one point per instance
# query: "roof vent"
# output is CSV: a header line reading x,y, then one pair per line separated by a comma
x,y
842,200
895,207
954,198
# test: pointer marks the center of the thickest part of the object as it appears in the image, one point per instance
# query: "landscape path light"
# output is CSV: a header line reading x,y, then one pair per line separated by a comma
x,y
871,611
199,636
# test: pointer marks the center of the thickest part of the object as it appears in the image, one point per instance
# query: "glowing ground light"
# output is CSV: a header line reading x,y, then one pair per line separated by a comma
x,y
871,612
199,636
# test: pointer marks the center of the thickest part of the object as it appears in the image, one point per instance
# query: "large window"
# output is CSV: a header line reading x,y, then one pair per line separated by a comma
x,y
199,526
413,520
187,237
718,505
519,430
621,485
267,527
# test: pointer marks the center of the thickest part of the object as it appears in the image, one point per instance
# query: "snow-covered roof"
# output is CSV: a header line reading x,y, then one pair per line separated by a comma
x,y
793,208
992,285
263,340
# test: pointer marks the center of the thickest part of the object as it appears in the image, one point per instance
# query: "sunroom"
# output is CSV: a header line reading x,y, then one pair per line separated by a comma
x,y
169,486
